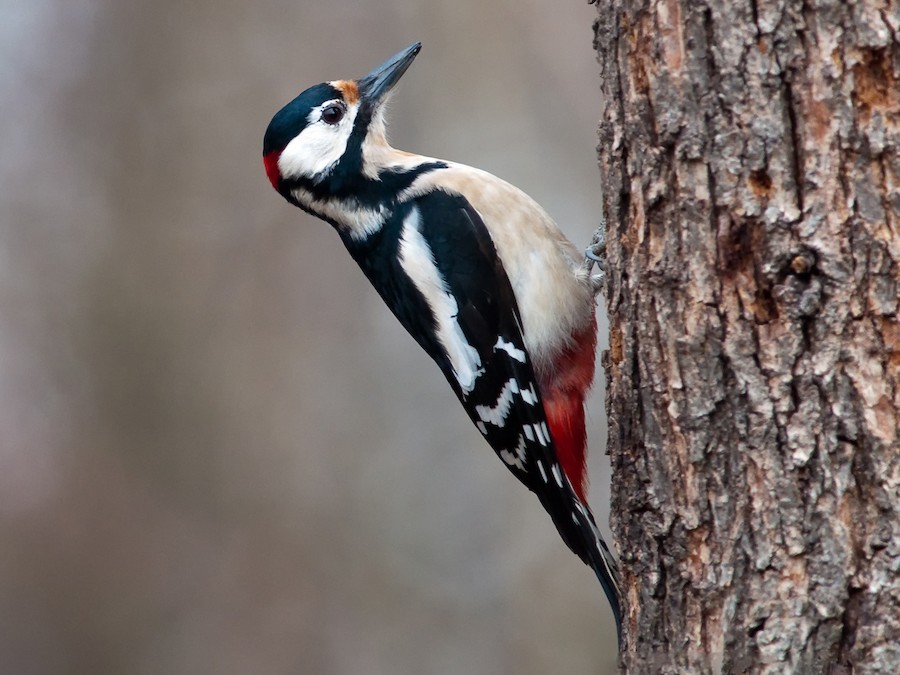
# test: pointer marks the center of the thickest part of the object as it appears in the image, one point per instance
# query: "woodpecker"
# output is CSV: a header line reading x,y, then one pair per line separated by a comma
x,y
477,273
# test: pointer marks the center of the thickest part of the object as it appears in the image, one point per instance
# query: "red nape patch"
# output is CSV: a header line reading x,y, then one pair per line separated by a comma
x,y
272,171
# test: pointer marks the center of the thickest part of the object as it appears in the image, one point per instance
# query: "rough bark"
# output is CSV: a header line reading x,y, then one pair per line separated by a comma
x,y
750,170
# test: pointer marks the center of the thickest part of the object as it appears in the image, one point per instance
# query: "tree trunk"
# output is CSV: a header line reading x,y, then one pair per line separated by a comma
x,y
750,171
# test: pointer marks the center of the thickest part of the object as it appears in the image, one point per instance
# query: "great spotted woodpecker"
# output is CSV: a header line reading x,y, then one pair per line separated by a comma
x,y
474,269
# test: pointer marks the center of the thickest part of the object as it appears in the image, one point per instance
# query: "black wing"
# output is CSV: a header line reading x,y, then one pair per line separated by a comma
x,y
463,296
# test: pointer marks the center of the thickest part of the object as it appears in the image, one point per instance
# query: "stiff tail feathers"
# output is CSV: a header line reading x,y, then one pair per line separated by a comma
x,y
577,528
605,566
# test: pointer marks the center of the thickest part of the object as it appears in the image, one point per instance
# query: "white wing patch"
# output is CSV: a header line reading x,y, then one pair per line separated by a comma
x,y
540,465
496,415
518,459
417,260
529,395
511,349
557,474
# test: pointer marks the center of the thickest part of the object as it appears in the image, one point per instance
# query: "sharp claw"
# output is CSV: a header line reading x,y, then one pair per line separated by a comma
x,y
595,254
591,255
596,250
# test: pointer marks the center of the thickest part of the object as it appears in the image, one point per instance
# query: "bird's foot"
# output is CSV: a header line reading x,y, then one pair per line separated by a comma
x,y
595,254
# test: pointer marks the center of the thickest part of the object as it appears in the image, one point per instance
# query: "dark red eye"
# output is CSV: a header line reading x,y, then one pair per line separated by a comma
x,y
332,114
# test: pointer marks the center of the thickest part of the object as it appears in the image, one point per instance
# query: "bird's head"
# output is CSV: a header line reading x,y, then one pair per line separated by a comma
x,y
332,130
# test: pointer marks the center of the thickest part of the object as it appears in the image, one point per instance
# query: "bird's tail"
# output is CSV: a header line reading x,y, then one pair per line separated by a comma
x,y
578,529
604,564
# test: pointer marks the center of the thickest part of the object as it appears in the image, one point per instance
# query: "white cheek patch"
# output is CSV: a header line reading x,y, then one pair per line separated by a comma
x,y
317,148
417,261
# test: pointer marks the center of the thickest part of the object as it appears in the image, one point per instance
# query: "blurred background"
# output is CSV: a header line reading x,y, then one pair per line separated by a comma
x,y
219,453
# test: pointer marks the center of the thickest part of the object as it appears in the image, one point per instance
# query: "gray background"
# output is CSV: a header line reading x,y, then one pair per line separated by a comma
x,y
219,453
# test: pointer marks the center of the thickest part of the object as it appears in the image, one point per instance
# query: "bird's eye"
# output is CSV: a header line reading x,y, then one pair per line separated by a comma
x,y
333,114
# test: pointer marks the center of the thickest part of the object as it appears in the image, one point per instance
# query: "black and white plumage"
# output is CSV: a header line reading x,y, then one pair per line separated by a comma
x,y
476,272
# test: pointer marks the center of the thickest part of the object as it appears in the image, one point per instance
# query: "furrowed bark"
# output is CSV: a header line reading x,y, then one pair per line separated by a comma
x,y
750,165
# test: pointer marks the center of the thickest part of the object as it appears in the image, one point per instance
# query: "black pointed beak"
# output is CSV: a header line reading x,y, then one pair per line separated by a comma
x,y
377,84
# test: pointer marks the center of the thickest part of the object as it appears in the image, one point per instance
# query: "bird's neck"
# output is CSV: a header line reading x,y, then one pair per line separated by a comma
x,y
358,202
